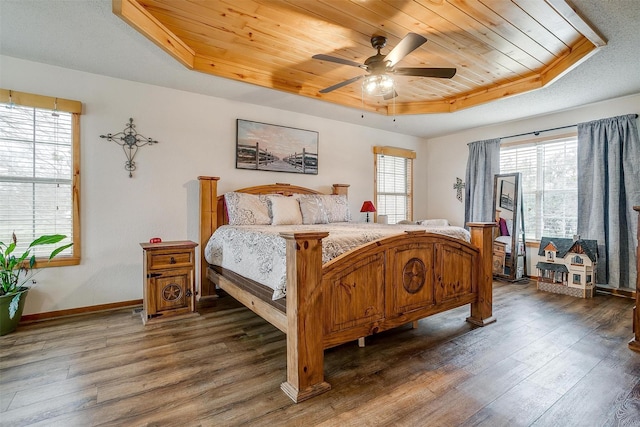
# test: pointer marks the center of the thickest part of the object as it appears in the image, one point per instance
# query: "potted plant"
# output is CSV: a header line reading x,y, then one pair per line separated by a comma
x,y
15,272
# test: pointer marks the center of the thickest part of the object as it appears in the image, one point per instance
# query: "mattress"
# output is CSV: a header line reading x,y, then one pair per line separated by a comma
x,y
257,252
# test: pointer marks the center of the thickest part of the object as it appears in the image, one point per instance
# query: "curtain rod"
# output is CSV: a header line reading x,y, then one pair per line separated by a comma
x,y
538,132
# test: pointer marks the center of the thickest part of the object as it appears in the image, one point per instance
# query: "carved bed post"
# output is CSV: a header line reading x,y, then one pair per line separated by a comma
x,y
482,238
305,351
341,189
634,344
208,224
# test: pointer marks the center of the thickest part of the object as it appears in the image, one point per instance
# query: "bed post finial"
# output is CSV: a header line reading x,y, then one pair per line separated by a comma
x,y
341,189
208,224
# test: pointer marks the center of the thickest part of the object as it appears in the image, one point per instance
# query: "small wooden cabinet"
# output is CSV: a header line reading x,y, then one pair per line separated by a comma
x,y
169,286
499,255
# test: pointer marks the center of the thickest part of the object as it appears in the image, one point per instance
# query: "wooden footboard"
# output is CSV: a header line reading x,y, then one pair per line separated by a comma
x,y
398,280
382,285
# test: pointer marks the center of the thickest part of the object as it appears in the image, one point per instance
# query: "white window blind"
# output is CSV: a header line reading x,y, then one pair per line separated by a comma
x,y
549,185
394,192
36,164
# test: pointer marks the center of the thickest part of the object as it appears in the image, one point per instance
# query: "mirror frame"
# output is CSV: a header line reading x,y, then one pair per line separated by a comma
x,y
508,198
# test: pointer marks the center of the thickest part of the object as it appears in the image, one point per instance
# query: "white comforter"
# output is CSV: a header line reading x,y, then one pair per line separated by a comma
x,y
259,253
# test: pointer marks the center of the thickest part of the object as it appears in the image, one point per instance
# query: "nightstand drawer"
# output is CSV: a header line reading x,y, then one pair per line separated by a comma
x,y
170,260
498,249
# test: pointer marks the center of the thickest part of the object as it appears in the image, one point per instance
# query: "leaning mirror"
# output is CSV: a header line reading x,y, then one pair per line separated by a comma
x,y
509,256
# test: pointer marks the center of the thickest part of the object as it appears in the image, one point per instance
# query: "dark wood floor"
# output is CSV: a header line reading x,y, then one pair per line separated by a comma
x,y
550,360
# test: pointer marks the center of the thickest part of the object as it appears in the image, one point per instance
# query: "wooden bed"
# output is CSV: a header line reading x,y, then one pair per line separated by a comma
x,y
381,285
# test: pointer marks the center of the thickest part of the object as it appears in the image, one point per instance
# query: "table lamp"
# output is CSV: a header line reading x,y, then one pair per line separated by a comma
x,y
367,207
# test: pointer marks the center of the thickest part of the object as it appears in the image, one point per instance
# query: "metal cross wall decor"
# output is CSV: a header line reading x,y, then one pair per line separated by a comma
x,y
130,141
459,185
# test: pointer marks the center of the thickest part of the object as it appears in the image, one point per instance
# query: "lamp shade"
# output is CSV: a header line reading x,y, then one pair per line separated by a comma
x,y
368,207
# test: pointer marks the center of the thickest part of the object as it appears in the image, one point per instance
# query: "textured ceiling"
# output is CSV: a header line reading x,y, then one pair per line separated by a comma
x,y
87,36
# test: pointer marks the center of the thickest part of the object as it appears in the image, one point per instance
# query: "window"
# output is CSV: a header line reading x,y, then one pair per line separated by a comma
x,y
39,171
576,279
394,183
577,260
549,184
588,279
550,256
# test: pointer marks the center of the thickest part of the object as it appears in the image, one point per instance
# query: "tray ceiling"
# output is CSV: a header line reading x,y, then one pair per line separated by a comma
x,y
500,48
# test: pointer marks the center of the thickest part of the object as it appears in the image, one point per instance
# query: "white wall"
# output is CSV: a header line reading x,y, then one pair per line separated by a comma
x,y
196,136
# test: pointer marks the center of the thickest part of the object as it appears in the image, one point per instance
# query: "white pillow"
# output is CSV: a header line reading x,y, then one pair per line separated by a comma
x,y
312,209
510,226
434,222
406,222
267,198
247,209
336,206
285,210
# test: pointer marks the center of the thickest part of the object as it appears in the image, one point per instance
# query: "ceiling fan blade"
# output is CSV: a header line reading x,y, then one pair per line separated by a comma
x,y
339,85
390,95
443,73
322,57
408,44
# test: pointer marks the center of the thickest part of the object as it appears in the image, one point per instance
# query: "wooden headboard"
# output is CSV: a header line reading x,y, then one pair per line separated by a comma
x,y
213,213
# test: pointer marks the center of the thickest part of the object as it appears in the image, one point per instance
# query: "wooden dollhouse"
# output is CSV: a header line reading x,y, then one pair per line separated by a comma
x,y
567,266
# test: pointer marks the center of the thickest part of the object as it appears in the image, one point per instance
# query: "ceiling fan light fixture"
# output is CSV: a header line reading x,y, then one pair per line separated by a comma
x,y
378,84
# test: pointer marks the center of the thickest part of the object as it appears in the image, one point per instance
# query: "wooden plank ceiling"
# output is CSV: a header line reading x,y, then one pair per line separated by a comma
x,y
499,47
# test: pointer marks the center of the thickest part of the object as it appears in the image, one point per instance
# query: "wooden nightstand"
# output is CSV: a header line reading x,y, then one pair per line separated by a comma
x,y
499,255
169,287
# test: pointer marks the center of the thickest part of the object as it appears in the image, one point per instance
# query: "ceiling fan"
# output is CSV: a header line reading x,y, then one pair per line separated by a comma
x,y
379,67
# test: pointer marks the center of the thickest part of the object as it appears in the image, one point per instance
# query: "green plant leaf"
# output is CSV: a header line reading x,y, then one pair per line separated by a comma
x,y
10,249
23,257
60,249
47,240
15,272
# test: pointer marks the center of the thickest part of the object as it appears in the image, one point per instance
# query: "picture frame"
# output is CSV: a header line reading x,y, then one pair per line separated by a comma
x,y
507,195
267,147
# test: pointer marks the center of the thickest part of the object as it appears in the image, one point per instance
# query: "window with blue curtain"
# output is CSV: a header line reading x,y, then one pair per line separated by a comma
x,y
549,184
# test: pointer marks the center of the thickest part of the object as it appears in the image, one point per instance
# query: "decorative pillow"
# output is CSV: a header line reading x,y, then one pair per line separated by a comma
x,y
312,210
268,197
247,209
504,231
336,206
286,210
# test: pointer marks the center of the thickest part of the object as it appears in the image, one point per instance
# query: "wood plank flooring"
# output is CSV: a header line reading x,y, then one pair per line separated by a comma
x,y
549,360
